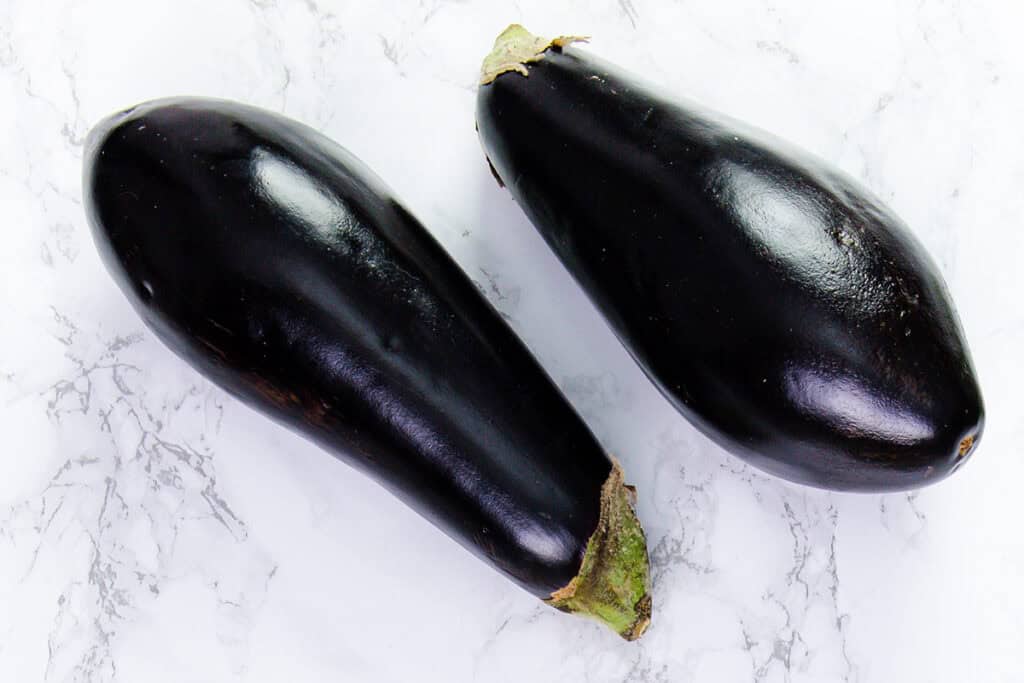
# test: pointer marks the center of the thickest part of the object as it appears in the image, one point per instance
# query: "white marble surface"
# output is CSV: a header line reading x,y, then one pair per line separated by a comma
x,y
153,529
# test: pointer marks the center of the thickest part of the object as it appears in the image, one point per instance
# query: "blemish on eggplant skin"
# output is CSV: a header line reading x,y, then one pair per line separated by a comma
x,y
966,445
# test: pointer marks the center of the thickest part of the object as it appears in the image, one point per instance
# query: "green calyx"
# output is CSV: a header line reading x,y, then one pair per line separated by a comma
x,y
515,48
613,584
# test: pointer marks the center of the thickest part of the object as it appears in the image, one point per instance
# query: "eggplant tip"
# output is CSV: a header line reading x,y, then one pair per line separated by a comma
x,y
515,47
613,584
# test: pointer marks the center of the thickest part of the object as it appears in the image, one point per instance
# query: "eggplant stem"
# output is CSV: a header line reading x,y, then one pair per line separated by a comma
x,y
613,584
515,48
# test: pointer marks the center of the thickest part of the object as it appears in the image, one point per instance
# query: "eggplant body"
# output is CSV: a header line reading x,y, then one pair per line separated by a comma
x,y
779,306
281,268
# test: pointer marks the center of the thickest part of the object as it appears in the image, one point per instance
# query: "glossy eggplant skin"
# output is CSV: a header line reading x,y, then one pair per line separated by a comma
x,y
782,308
280,267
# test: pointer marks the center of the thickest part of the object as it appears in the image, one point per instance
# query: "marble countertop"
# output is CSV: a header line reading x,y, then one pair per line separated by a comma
x,y
154,529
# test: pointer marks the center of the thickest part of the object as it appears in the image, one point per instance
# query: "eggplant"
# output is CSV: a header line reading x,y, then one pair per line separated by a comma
x,y
281,268
778,305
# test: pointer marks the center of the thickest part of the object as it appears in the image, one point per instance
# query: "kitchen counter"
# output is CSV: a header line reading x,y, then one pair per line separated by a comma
x,y
154,529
